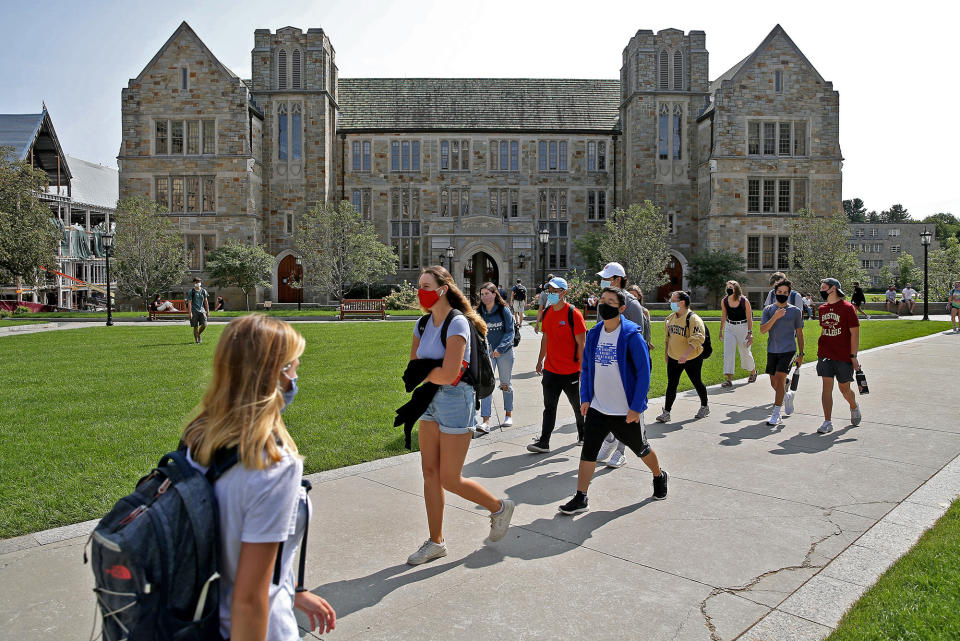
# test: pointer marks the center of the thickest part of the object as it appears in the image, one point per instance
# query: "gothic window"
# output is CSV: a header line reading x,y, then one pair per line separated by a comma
x,y
552,213
596,205
405,226
360,152
663,76
800,138
778,81
552,155
296,129
193,137
282,69
454,202
772,195
184,78
209,137
360,199
405,155
769,139
504,155
785,138
677,131
663,129
176,137
753,138
504,203
193,194
161,137
677,71
282,131
454,155
198,248
209,194
296,69
176,203
162,192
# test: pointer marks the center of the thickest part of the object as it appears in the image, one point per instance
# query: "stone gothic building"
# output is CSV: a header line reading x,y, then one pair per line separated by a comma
x,y
478,167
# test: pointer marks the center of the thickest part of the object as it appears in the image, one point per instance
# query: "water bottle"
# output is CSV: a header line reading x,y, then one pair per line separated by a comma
x,y
862,382
795,381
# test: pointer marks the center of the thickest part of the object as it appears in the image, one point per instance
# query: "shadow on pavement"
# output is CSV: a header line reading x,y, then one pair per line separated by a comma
x,y
813,443
750,414
750,433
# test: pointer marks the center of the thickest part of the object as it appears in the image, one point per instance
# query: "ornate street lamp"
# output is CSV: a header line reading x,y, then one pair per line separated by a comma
x,y
299,282
108,248
544,237
522,257
442,258
450,252
925,237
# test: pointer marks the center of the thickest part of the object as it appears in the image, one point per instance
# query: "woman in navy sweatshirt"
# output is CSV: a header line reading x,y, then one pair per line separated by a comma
x,y
500,332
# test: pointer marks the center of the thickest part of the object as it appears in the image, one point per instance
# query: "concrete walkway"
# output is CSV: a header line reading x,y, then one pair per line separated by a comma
x,y
768,533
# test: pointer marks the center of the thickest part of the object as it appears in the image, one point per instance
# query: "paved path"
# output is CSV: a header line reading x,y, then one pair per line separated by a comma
x,y
767,533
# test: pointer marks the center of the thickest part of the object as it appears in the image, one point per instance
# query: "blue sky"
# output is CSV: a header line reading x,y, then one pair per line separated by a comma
x,y
889,64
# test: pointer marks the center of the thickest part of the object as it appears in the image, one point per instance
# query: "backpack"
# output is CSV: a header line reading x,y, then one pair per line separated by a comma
x,y
520,292
155,555
516,330
480,371
707,345
570,323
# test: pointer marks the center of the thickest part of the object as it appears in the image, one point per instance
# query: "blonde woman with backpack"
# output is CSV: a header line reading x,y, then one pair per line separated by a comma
x,y
685,337
263,511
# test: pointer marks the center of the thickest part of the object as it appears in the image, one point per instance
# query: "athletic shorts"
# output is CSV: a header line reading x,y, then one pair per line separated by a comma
x,y
198,319
598,425
840,370
453,408
518,306
779,362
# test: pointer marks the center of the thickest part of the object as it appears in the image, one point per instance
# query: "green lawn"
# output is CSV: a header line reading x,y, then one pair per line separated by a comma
x,y
918,597
86,412
10,322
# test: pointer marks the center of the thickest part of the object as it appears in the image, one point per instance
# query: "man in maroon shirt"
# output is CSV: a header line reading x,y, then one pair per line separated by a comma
x,y
837,350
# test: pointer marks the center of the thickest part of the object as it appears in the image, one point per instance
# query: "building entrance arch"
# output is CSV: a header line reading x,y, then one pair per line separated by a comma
x,y
676,273
285,273
477,270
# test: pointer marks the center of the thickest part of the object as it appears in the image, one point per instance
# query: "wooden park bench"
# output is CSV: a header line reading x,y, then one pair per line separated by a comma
x,y
181,310
363,307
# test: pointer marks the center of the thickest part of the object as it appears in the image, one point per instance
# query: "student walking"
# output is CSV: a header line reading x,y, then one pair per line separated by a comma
x,y
500,331
685,334
955,307
859,299
443,349
262,509
518,302
561,352
198,307
784,324
837,351
775,279
736,332
613,392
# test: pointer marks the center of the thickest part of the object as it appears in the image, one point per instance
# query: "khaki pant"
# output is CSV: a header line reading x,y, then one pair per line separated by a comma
x,y
734,338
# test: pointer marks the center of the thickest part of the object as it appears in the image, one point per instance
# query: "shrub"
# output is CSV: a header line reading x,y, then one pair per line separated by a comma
x,y
403,298
21,311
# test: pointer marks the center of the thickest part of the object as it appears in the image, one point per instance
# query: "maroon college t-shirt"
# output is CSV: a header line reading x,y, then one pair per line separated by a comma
x,y
835,323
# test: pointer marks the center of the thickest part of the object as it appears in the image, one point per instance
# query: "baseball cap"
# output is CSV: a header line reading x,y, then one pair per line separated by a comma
x,y
833,282
612,269
558,282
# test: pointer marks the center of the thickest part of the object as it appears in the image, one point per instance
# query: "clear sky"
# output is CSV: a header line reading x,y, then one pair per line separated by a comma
x,y
888,61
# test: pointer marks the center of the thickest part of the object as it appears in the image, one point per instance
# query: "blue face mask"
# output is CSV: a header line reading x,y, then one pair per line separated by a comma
x,y
553,299
289,394
675,307
604,284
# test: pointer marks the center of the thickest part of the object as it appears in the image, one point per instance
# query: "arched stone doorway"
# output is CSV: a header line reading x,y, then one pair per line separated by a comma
x,y
674,272
477,270
287,273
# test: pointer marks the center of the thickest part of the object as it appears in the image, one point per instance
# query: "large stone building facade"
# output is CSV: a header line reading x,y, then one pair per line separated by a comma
x,y
477,168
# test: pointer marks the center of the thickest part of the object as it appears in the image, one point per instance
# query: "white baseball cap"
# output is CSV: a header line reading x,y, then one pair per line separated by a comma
x,y
612,269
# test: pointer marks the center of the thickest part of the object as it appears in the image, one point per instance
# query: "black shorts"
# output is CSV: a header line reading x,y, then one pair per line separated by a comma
x,y
840,370
779,362
599,425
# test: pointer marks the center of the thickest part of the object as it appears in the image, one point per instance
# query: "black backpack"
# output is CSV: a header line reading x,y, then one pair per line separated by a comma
x,y
516,330
480,372
521,293
707,345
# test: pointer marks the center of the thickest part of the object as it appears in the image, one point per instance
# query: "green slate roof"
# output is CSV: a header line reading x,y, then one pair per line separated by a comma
x,y
478,104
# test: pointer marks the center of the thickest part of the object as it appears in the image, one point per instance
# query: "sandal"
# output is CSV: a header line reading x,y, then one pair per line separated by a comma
x,y
753,378
727,383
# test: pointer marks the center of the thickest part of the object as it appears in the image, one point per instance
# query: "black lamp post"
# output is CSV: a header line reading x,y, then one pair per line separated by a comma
x,y
450,252
300,283
925,237
521,258
108,247
544,237
442,258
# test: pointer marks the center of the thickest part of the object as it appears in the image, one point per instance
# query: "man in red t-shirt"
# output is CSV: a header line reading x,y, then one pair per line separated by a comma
x,y
837,350
561,352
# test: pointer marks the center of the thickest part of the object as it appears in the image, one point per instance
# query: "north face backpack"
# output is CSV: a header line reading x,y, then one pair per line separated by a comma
x,y
155,555
480,372
707,345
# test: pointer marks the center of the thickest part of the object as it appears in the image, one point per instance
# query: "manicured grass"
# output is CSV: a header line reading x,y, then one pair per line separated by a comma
x,y
918,597
10,322
86,412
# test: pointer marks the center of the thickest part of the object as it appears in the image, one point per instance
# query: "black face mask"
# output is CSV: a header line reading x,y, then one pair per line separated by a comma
x,y
607,312
782,298
729,291
824,294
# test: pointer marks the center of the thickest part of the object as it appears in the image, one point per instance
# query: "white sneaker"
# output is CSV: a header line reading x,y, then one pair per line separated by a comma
x,y
774,419
826,428
788,404
617,460
483,428
855,415
606,449
427,552
507,421
664,417
500,522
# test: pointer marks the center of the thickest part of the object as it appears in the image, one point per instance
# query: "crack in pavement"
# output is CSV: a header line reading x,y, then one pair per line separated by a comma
x,y
805,564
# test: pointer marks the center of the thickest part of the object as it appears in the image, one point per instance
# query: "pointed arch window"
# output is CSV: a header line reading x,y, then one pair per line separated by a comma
x,y
296,131
663,74
677,71
282,69
282,131
296,69
663,132
677,131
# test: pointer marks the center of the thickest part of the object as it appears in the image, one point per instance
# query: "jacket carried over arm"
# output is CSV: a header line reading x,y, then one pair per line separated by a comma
x,y
407,414
633,360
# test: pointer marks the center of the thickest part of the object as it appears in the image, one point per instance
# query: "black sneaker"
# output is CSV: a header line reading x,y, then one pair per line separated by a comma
x,y
576,505
538,447
660,486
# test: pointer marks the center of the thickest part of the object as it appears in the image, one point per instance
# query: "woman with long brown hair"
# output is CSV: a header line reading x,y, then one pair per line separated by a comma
x,y
447,426
736,332
500,332
261,504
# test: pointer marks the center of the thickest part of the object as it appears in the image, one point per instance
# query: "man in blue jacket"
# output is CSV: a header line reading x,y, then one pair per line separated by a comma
x,y
614,381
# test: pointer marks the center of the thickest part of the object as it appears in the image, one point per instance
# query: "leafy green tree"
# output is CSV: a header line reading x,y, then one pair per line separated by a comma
x,y
28,237
148,250
896,214
637,239
712,269
907,272
340,249
886,277
943,267
588,247
947,226
855,210
820,251
245,267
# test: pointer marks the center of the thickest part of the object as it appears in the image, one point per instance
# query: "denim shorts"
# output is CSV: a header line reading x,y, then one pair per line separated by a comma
x,y
453,408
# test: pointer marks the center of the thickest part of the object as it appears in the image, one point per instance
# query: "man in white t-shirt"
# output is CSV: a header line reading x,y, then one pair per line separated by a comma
x,y
891,296
907,303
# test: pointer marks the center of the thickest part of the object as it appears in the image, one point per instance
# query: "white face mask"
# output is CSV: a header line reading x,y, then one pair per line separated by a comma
x,y
196,285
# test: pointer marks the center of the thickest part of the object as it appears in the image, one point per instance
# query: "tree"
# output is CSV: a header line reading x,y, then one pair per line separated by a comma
x,y
588,247
887,277
637,239
339,248
148,250
947,226
896,214
28,236
712,270
820,251
856,212
234,264
944,269
907,272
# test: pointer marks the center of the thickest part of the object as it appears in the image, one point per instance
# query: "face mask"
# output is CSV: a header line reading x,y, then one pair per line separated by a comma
x,y
290,393
553,298
604,284
607,312
428,297
824,294
782,298
196,285
675,306
729,291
